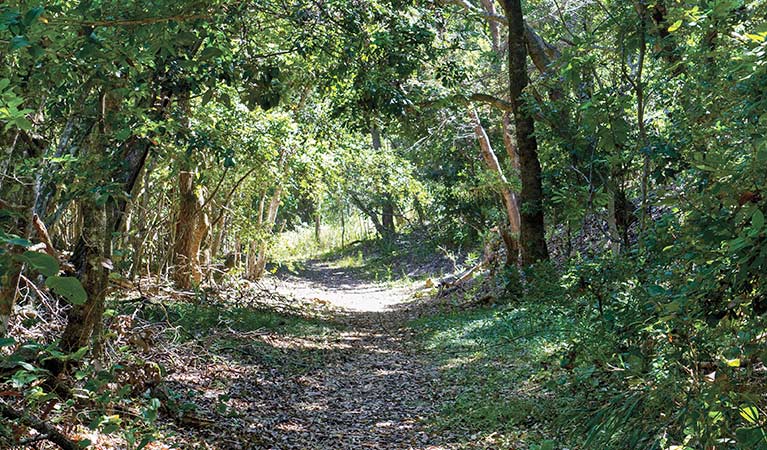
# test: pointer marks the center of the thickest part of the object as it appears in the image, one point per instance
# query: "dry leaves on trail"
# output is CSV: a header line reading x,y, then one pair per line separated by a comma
x,y
360,387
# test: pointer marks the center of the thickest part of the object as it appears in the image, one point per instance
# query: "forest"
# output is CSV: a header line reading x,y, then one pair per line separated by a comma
x,y
383,224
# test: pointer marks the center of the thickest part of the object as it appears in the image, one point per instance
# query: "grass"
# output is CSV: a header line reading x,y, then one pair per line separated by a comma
x,y
410,256
202,320
500,367
301,243
227,332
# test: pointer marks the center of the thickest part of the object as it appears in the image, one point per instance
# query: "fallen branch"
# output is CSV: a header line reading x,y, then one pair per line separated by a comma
x,y
50,432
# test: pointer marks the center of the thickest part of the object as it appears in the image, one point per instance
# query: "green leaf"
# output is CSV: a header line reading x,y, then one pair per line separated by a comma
x,y
749,413
41,262
23,123
18,42
69,288
211,52
33,14
12,239
750,437
737,244
547,445
7,342
675,26
123,134
145,441
757,221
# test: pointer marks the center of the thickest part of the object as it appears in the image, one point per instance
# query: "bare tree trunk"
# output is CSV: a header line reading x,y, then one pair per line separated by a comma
x,y
138,239
509,197
215,246
343,225
92,254
640,109
387,228
191,228
90,259
495,35
387,216
256,270
8,294
9,278
251,258
508,143
532,229
612,224
318,222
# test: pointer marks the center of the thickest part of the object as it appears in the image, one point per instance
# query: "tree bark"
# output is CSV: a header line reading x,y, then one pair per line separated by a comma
x,y
9,279
387,216
532,230
191,227
48,431
256,267
90,259
368,211
495,34
509,197
318,222
8,294
612,224
387,227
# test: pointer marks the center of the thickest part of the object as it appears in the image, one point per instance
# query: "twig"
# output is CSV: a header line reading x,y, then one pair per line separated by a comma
x,y
50,433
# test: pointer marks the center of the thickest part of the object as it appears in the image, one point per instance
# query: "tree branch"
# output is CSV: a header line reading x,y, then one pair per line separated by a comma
x,y
229,195
498,103
50,432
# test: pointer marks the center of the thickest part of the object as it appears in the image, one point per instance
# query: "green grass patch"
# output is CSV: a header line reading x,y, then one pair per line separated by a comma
x,y
301,243
201,320
409,257
497,367
227,332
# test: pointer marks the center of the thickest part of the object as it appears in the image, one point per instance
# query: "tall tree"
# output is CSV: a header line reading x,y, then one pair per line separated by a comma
x,y
532,230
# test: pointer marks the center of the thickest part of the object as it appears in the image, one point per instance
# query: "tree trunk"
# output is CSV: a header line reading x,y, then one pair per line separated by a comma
x,y
387,228
8,294
256,268
387,216
318,222
612,224
370,213
90,259
419,212
343,225
495,34
9,278
532,230
509,197
191,228
218,240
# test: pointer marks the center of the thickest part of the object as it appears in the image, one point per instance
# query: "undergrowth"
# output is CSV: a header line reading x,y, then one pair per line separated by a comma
x,y
302,243
408,257
588,357
501,364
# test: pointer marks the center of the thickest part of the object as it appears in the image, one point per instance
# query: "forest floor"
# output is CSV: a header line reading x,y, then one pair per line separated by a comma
x,y
338,369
